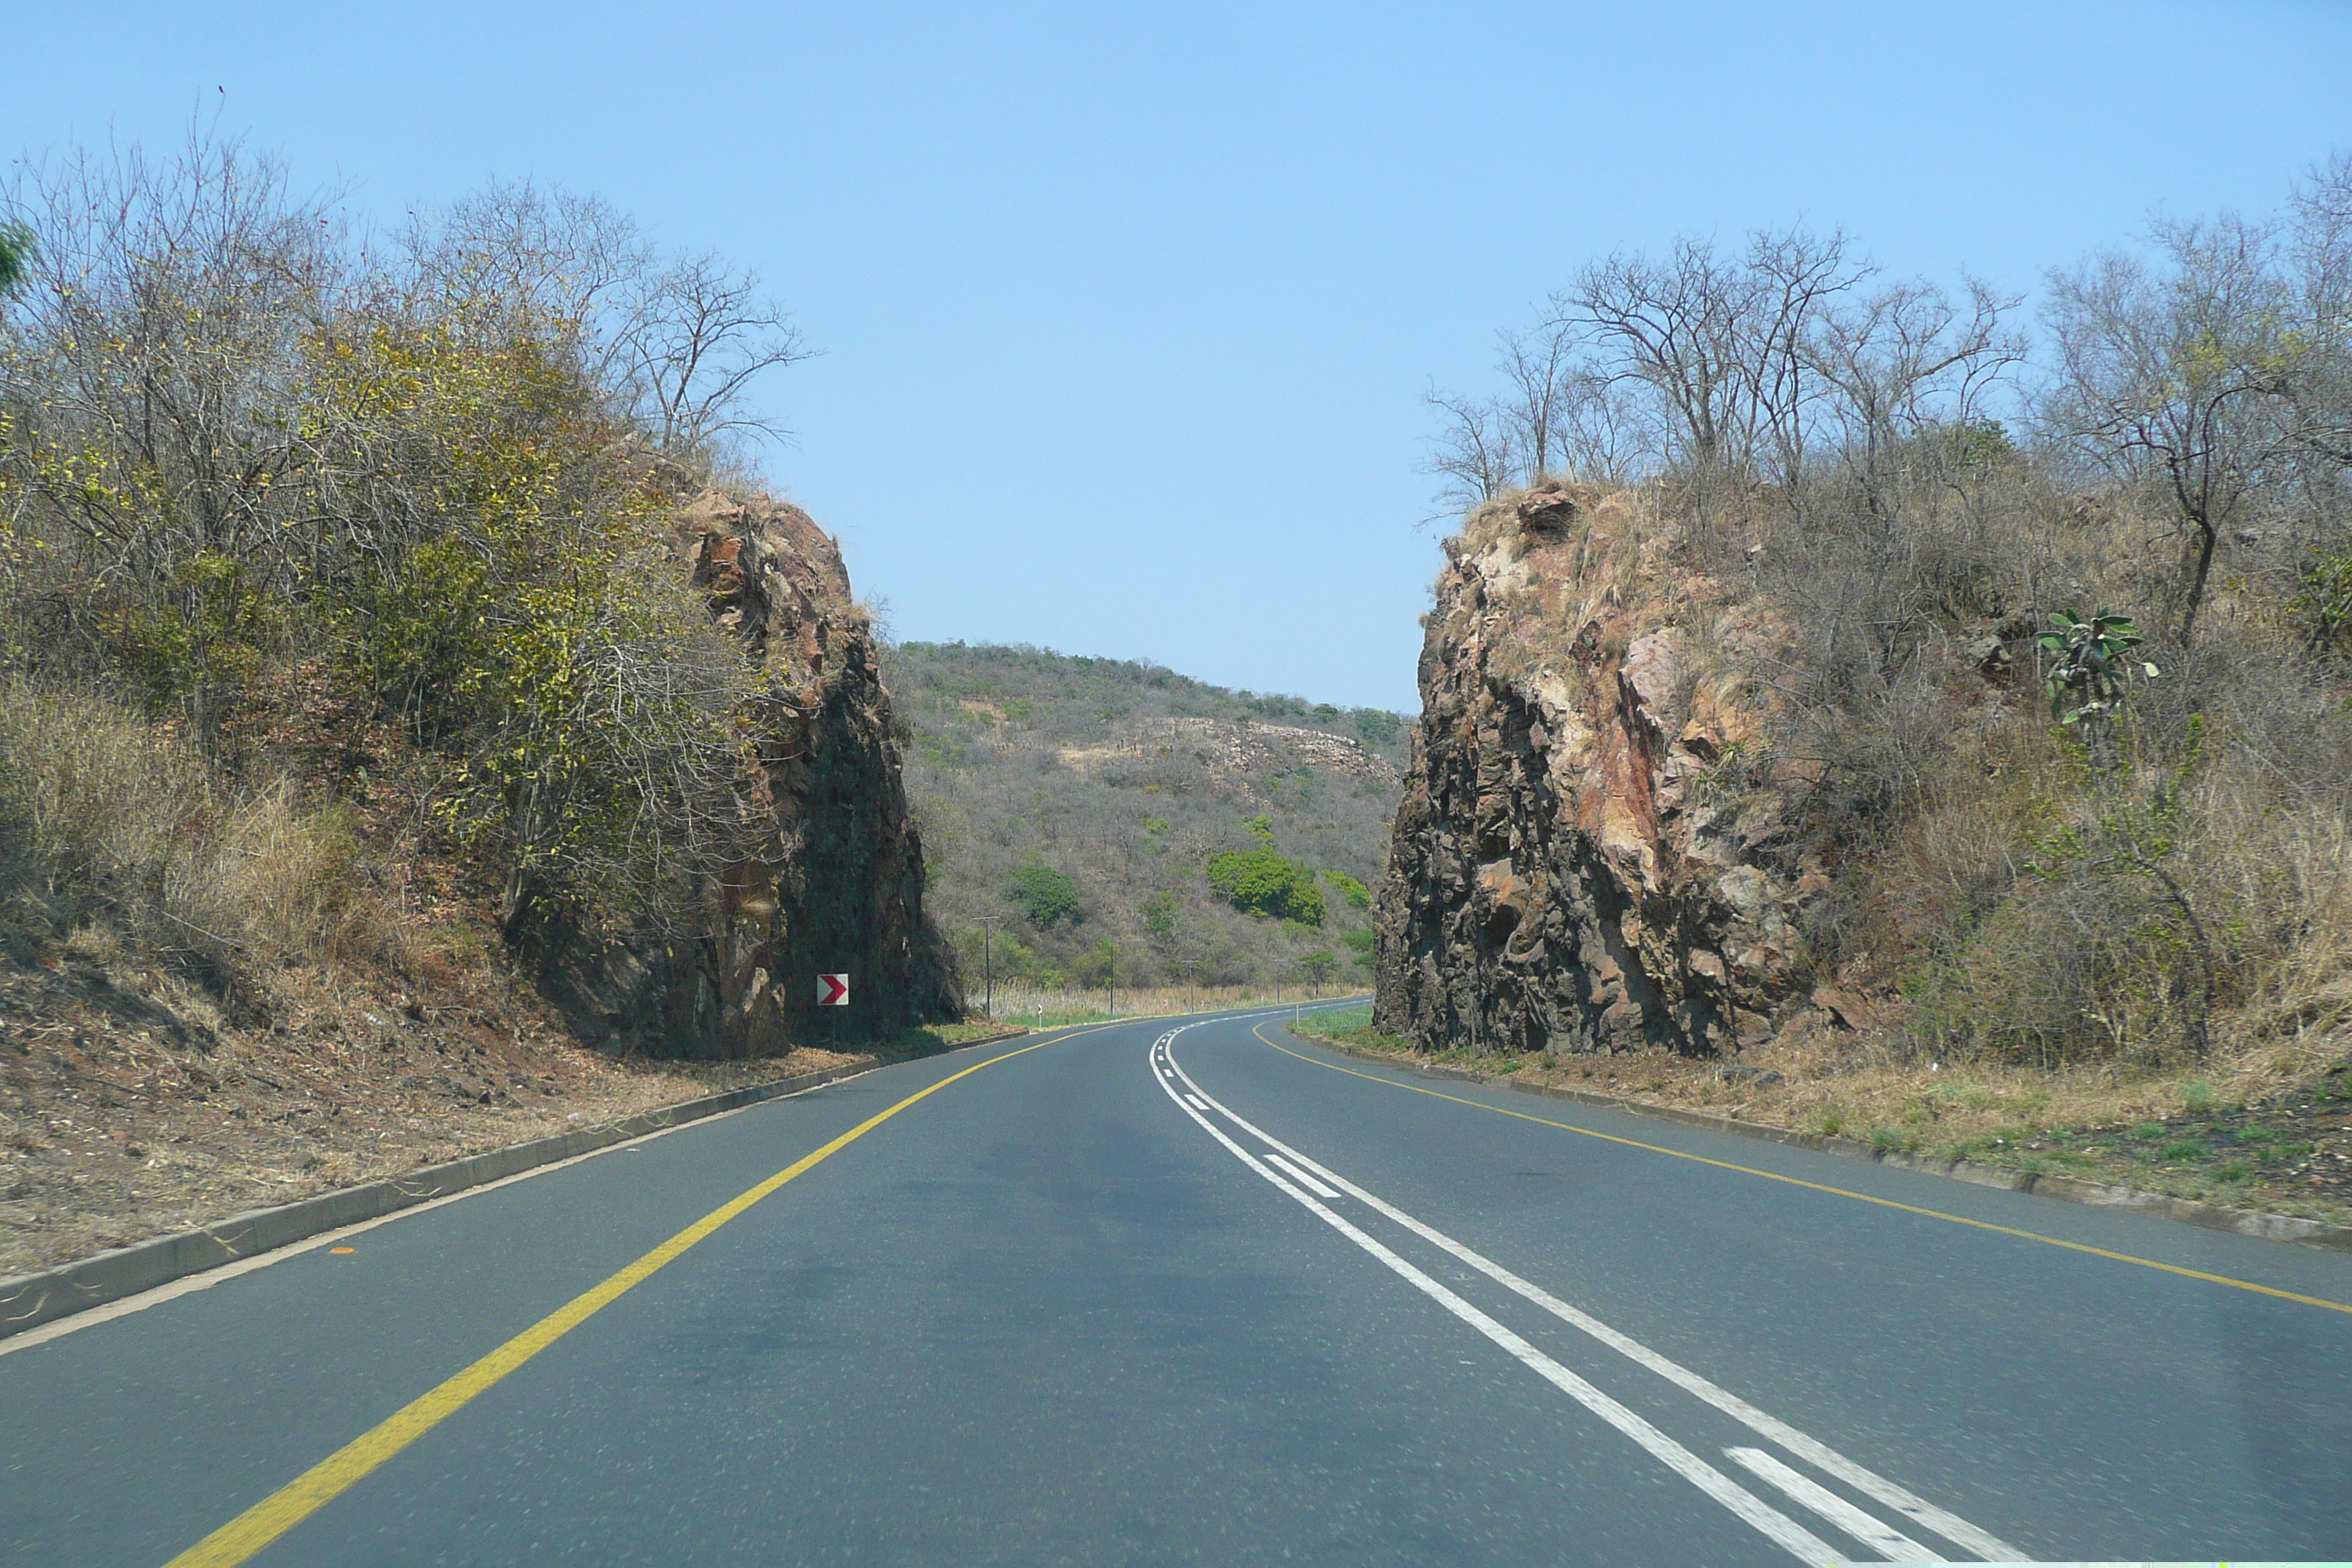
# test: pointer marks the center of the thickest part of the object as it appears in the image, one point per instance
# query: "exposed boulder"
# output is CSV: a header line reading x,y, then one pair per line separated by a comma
x,y
1576,863
837,883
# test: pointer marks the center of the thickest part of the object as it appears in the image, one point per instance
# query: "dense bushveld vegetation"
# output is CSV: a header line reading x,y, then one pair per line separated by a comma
x,y
2061,846
1066,831
300,524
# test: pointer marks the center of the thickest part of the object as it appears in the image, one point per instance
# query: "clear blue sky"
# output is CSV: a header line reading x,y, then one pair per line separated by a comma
x,y
1128,309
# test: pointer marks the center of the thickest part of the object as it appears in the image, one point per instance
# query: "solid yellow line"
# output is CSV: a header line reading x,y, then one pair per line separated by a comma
x,y
1835,1192
274,1515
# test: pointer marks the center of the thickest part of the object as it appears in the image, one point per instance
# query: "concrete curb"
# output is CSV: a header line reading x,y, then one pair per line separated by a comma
x,y
2067,1189
29,1300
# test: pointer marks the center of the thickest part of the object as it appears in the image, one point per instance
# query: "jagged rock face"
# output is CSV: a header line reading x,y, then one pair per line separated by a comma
x,y
837,883
1568,874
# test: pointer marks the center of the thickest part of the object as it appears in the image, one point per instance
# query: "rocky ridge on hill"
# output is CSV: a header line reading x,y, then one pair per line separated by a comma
x,y
1563,875
837,886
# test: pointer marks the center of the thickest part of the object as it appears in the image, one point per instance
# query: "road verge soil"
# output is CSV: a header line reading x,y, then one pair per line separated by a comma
x,y
29,1300
1737,1098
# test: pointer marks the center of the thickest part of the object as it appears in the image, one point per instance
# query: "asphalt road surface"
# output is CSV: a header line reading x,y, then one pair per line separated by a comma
x,y
1144,1294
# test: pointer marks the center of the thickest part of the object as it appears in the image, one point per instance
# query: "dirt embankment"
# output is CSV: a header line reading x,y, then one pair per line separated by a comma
x,y
129,1106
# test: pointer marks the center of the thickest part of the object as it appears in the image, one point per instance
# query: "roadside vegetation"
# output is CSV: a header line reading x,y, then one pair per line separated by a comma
x,y
2053,645
1094,821
2256,1140
344,657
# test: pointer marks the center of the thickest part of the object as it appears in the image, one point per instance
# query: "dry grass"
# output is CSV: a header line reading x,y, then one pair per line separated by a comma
x,y
1052,1009
114,827
2257,1127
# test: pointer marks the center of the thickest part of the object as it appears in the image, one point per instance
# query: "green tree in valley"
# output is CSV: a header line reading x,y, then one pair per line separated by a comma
x,y
1047,896
1263,883
1318,967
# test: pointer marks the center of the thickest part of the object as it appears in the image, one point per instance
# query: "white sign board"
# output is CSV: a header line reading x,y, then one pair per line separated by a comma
x,y
833,990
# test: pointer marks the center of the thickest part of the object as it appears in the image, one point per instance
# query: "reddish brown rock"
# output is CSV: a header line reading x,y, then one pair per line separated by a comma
x,y
1578,861
835,884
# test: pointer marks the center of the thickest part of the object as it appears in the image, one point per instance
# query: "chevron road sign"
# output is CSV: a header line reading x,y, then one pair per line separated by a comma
x,y
833,990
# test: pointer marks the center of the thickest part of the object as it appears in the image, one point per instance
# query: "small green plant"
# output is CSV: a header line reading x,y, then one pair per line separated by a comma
x,y
2325,604
2236,1171
2256,1135
1362,947
2182,1149
2148,1132
1159,913
16,241
2197,1095
1356,893
1155,826
2090,677
1261,827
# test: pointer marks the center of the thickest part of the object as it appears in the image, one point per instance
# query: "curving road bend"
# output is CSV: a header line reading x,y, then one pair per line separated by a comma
x,y
1193,1291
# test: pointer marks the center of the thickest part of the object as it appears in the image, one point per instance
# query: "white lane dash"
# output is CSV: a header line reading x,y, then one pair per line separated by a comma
x,y
1890,1543
1295,1175
1199,1105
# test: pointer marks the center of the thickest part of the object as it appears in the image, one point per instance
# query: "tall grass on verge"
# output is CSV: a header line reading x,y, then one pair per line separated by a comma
x,y
114,825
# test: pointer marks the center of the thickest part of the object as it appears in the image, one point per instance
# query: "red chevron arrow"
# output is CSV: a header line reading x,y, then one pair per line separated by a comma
x,y
833,990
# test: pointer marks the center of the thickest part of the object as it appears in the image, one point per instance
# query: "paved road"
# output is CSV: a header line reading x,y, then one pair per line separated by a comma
x,y
1210,1296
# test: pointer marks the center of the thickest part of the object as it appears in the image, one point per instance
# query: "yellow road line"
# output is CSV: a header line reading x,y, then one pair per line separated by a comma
x,y
274,1515
1835,1192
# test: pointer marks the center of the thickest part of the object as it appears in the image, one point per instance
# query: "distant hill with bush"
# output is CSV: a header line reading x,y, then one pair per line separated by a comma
x,y
1097,811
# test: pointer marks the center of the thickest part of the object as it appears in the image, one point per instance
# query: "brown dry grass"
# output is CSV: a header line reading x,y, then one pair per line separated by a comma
x,y
2271,1126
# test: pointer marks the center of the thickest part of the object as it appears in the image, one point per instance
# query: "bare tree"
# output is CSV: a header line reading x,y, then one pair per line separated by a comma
x,y
695,338
1676,329
2322,254
1793,279
1905,360
1718,341
2178,373
1473,452
677,342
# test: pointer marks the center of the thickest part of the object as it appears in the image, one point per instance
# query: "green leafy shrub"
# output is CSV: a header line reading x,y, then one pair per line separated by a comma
x,y
1358,895
1262,882
1097,966
1046,897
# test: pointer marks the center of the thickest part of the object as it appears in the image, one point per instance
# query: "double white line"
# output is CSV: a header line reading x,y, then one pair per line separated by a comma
x,y
1312,1186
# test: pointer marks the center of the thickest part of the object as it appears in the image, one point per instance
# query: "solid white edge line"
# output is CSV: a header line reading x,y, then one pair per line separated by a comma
x,y
1918,1510
1882,1538
1774,1525
220,1274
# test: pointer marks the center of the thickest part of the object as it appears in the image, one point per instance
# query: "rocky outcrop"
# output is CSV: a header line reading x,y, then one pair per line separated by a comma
x,y
1237,748
1582,860
835,883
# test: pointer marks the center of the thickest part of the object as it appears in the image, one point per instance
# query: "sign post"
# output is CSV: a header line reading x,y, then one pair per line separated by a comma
x,y
832,990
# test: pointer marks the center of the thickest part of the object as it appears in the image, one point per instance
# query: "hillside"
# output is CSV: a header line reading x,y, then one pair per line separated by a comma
x,y
1080,806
